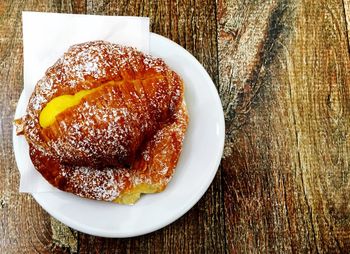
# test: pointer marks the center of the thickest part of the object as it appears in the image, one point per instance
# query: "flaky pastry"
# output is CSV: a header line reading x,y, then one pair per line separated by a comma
x,y
106,122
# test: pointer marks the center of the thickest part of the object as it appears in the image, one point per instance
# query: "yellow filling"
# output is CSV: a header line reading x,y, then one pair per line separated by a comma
x,y
131,196
59,104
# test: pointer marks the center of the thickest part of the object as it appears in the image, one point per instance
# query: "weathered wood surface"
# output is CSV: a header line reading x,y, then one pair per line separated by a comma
x,y
282,71
285,174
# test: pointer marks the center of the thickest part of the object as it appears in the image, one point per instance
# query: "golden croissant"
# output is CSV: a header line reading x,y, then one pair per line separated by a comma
x,y
106,122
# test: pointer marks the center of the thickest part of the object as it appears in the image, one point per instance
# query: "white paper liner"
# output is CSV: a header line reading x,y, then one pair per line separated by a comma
x,y
46,36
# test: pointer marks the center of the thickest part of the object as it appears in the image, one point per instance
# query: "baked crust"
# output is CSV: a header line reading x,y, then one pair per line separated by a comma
x,y
120,141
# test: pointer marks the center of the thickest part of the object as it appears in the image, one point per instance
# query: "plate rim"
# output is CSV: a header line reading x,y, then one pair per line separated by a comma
x,y
39,197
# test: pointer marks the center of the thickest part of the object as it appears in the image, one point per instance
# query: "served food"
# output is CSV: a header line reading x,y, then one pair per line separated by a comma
x,y
106,122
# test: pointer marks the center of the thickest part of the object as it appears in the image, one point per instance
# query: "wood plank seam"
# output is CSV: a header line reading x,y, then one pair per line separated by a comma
x,y
346,11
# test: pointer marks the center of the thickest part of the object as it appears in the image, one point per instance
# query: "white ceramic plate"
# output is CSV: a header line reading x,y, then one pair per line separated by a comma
x,y
200,158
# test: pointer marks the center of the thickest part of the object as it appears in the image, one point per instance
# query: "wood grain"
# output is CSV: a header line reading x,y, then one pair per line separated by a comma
x,y
282,71
346,9
287,162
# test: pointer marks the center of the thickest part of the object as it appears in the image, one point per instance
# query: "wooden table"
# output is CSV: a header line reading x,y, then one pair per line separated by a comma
x,y
282,69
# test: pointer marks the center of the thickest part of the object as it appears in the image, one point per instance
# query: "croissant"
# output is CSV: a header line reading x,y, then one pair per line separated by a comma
x,y
106,122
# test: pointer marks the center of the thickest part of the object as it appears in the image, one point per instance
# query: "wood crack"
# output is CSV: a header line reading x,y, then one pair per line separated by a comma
x,y
347,22
287,211
301,173
306,200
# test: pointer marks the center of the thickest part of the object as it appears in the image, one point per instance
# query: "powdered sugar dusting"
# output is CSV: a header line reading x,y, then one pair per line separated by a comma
x,y
91,183
138,105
